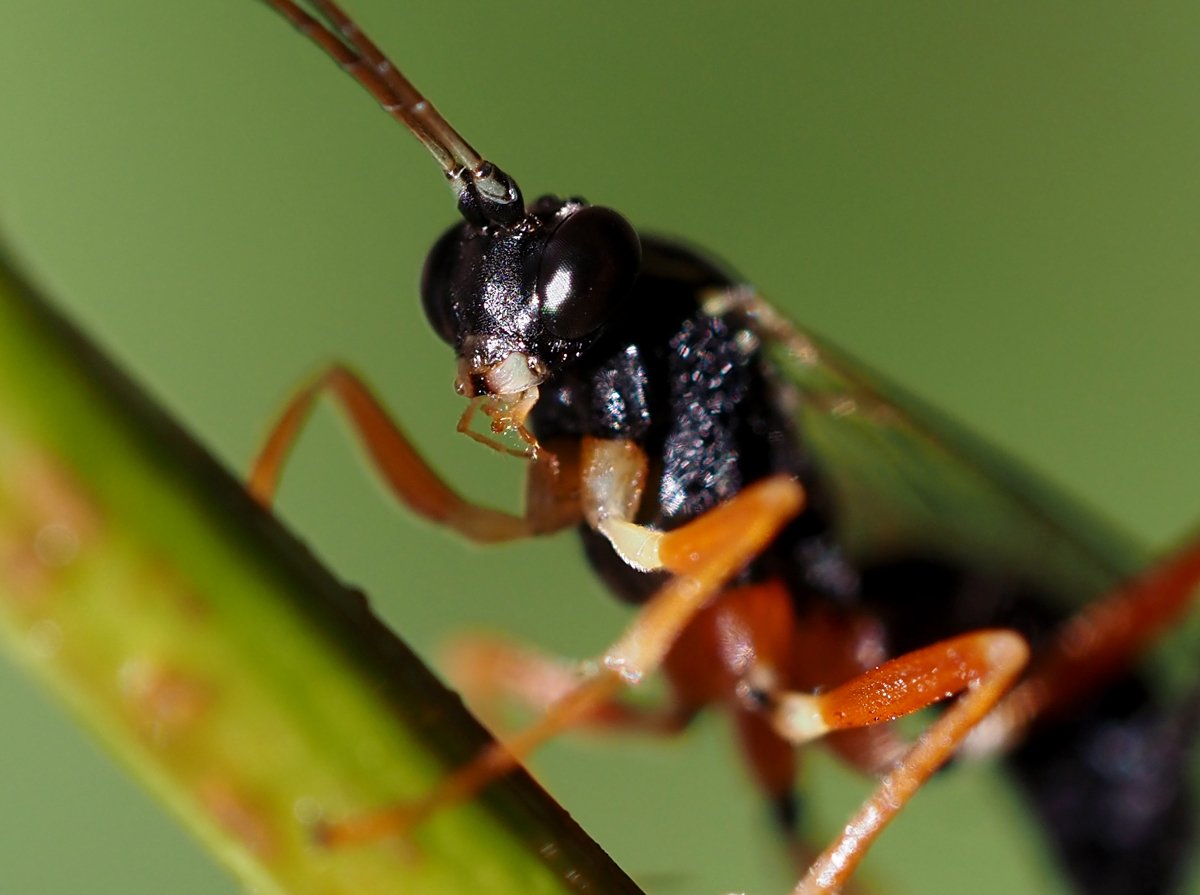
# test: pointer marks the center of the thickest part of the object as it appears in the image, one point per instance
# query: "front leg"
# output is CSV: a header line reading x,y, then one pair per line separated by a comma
x,y
552,500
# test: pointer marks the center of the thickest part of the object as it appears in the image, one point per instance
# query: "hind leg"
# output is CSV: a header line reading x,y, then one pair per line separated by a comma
x,y
1093,648
1104,759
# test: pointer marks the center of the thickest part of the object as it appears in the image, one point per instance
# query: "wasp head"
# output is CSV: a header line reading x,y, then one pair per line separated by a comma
x,y
522,301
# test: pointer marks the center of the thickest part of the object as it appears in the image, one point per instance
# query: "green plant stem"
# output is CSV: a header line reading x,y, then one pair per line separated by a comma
x,y
229,671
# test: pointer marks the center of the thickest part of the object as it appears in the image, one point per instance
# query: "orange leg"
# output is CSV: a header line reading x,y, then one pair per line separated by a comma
x,y
703,555
1094,647
493,673
979,667
834,646
553,500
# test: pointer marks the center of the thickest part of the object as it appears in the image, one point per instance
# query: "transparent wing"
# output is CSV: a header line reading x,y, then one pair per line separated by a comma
x,y
909,482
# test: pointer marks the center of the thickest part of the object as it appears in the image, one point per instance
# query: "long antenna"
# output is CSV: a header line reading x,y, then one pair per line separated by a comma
x,y
483,190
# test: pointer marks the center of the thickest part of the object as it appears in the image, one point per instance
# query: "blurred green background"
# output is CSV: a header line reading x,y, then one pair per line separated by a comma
x,y
997,206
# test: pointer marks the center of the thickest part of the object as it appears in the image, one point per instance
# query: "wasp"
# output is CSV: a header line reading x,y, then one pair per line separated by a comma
x,y
804,547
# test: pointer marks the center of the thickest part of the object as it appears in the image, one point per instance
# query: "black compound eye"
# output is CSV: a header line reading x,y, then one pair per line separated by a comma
x,y
587,270
437,280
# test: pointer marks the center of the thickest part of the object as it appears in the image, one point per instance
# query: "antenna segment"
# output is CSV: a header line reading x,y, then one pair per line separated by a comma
x,y
484,192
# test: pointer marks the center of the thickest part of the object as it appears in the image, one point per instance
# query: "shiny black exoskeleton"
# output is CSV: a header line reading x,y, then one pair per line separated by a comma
x,y
615,334
543,286
626,349
561,316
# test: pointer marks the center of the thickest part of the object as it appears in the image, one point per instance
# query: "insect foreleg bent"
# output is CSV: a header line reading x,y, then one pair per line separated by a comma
x,y
552,503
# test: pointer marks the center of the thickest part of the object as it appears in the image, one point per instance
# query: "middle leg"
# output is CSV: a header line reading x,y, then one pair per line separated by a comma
x,y
703,555
979,668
